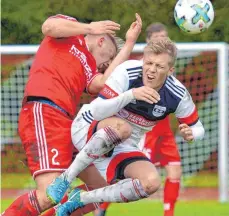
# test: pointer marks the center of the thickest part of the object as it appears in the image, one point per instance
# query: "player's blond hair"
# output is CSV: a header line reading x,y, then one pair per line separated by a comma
x,y
160,46
117,41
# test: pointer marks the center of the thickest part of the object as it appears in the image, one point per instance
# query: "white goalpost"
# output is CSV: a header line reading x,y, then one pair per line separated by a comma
x,y
202,67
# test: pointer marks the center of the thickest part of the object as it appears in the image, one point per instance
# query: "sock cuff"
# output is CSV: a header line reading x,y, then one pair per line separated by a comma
x,y
112,135
33,201
173,180
139,189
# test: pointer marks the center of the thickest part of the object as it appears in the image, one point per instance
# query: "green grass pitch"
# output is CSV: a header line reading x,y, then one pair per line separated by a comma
x,y
154,208
141,208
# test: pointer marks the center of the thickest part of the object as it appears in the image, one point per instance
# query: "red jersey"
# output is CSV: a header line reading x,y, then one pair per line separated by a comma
x,y
61,70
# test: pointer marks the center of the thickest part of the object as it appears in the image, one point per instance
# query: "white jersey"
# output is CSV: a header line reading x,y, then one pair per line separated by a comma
x,y
174,98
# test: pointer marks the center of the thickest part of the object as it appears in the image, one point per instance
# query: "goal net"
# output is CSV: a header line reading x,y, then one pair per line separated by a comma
x,y
202,68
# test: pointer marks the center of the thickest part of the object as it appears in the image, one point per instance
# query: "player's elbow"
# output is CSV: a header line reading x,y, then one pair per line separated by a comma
x,y
46,28
49,28
96,84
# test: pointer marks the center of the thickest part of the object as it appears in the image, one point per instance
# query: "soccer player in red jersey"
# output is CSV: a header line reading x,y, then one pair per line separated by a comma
x,y
66,64
160,146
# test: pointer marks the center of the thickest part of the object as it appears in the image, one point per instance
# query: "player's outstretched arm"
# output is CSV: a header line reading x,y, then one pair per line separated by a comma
x,y
131,38
104,108
190,126
63,26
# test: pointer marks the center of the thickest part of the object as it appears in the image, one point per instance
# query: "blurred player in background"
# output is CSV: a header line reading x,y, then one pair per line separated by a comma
x,y
160,145
147,94
65,65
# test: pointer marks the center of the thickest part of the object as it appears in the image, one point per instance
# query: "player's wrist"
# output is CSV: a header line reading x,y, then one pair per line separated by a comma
x,y
130,42
89,28
130,94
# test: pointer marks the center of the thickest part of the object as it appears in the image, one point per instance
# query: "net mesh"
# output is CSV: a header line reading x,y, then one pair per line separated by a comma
x,y
196,70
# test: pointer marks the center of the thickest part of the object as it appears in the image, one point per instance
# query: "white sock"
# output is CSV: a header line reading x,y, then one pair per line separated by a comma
x,y
100,143
124,191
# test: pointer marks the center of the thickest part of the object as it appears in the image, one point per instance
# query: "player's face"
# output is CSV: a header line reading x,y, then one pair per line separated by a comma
x,y
156,68
104,54
158,35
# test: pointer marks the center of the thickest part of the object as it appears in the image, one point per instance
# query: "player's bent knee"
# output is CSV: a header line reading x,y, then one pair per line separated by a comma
x,y
125,130
151,183
174,172
121,127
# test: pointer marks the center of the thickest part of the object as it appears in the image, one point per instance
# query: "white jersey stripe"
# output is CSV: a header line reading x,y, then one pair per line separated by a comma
x,y
86,118
89,116
132,78
134,72
173,81
181,91
175,90
168,87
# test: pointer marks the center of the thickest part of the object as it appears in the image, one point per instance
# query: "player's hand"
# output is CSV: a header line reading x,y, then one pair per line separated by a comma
x,y
146,94
186,132
134,30
104,27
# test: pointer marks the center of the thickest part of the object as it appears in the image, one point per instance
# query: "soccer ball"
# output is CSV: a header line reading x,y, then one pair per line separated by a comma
x,y
194,16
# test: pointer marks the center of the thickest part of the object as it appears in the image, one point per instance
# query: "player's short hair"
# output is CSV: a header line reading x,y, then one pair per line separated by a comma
x,y
153,28
114,41
160,46
119,43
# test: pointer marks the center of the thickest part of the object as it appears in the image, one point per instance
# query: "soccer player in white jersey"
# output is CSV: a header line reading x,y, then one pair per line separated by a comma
x,y
160,146
125,95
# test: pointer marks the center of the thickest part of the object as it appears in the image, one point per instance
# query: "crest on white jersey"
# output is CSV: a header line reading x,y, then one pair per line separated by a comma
x,y
158,111
123,113
134,101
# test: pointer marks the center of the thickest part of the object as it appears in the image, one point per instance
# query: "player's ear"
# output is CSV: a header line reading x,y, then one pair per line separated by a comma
x,y
100,41
171,70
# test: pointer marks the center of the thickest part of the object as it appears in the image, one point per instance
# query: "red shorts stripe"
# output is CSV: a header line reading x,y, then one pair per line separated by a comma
x,y
40,135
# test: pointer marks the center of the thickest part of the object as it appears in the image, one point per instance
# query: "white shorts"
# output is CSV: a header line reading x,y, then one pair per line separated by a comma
x,y
111,168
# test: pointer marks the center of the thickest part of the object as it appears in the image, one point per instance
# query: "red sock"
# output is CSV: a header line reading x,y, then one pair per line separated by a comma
x,y
25,205
171,192
79,212
104,205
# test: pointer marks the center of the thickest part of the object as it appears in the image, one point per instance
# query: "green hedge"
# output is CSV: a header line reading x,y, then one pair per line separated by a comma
x,y
22,19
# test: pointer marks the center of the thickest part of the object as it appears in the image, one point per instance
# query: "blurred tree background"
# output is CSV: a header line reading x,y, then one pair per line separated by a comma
x,y
22,19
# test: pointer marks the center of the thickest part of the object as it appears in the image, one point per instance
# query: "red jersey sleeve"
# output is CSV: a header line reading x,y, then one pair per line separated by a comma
x,y
61,16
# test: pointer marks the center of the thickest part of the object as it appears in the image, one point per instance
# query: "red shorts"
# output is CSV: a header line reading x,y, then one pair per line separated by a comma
x,y
161,146
45,133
